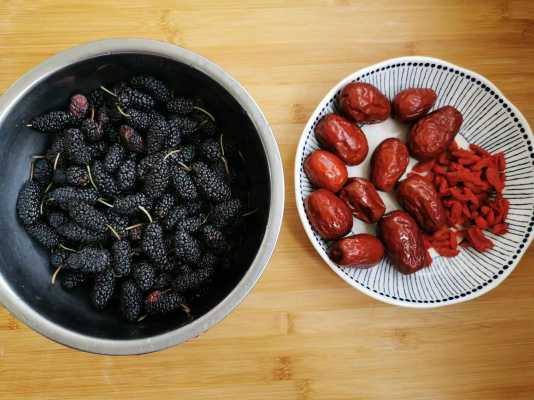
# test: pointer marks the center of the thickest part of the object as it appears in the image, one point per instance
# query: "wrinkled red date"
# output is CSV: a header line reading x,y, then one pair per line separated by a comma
x,y
326,170
388,163
432,134
364,103
358,251
420,199
363,199
411,104
343,138
403,241
328,214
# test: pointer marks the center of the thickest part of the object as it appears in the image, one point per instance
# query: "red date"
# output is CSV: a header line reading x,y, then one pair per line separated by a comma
x,y
358,251
432,134
418,197
411,104
325,170
343,138
328,214
403,242
388,163
363,199
364,103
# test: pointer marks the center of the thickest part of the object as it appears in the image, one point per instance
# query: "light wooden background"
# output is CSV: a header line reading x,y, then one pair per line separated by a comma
x,y
302,333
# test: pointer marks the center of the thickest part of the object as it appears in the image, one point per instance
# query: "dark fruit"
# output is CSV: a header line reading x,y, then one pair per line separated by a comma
x,y
28,203
163,302
73,232
144,275
225,214
89,260
180,105
153,243
184,185
103,289
76,149
133,139
210,184
43,234
126,176
42,171
78,106
120,252
67,194
103,180
88,216
52,122
131,301
130,204
129,97
152,86
114,157
187,247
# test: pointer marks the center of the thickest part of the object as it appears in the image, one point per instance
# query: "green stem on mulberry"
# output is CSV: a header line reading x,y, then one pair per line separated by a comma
x,y
56,160
121,111
92,113
181,164
29,126
105,89
251,212
49,187
114,231
54,275
170,153
146,213
37,157
31,170
241,156
129,228
91,176
202,110
62,246
142,317
102,201
186,309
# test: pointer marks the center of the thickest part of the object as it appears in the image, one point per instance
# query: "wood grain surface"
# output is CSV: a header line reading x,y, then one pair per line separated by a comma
x,y
302,333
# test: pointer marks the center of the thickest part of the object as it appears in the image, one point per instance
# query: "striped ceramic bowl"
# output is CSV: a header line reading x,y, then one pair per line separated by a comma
x,y
491,121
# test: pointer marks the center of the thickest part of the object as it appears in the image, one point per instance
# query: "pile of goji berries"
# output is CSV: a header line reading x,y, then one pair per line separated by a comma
x,y
470,183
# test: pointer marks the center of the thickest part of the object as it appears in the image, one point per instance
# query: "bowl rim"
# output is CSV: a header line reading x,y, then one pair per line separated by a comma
x,y
299,156
76,340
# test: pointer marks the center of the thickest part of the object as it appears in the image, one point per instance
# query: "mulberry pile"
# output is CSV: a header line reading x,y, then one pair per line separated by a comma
x,y
135,198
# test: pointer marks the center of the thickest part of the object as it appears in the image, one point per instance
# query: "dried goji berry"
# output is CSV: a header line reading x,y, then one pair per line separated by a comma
x,y
477,239
499,229
479,150
424,166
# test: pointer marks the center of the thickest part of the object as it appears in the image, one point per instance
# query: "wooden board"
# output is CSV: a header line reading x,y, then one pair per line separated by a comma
x,y
302,333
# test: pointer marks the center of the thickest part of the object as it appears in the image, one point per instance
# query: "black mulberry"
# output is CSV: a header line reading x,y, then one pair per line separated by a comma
x,y
152,86
114,157
210,184
180,105
42,171
144,275
126,176
88,216
131,301
133,139
104,181
77,151
122,261
226,213
153,243
28,203
89,260
184,185
130,204
73,232
187,247
163,206
43,234
159,302
53,121
91,130
129,97
103,288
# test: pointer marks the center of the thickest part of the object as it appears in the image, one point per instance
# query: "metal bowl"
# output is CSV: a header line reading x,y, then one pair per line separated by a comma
x,y
67,317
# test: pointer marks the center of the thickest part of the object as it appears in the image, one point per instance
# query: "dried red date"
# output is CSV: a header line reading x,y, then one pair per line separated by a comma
x,y
364,103
358,251
418,197
325,170
403,241
388,163
328,214
363,199
343,138
432,134
411,104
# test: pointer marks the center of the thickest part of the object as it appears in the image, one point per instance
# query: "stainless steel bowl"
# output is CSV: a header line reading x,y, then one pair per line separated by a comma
x,y
67,318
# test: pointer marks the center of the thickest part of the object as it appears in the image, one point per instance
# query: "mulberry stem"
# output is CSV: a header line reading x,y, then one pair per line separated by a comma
x,y
251,212
61,245
121,111
56,160
102,201
170,153
105,89
181,164
147,213
205,112
54,275
114,231
128,228
91,177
